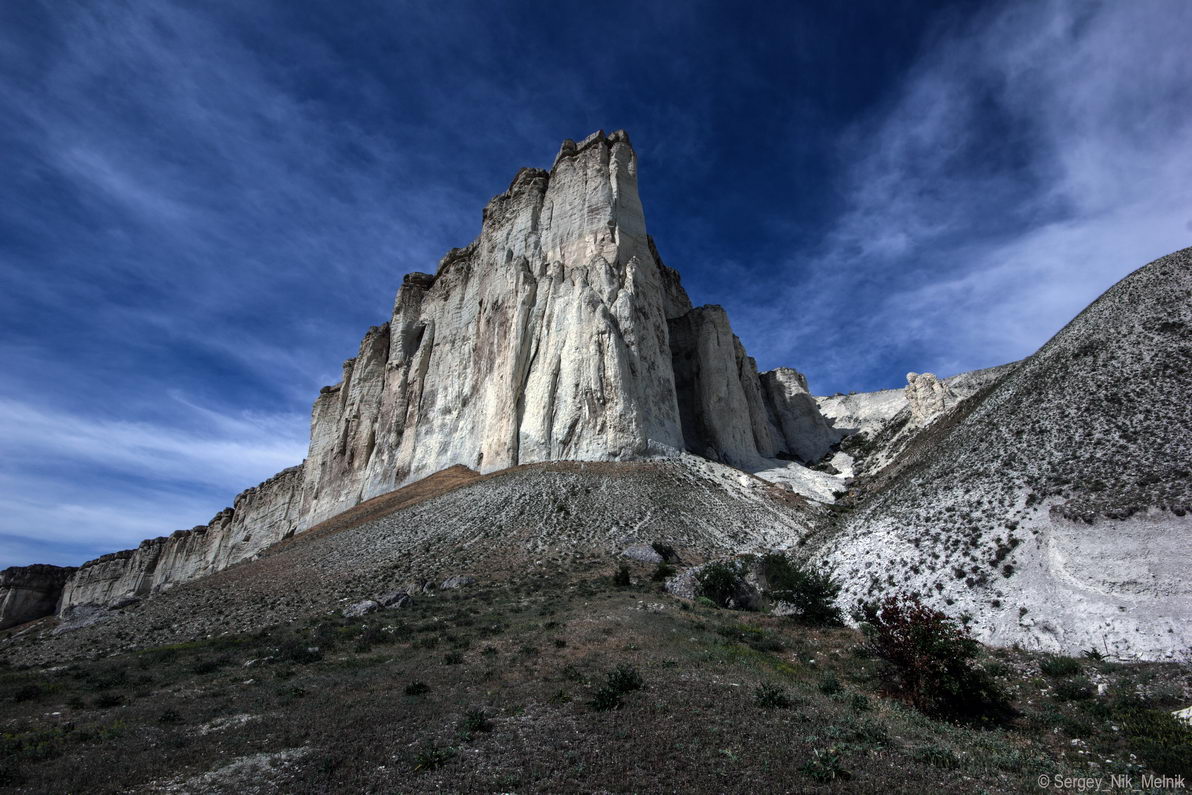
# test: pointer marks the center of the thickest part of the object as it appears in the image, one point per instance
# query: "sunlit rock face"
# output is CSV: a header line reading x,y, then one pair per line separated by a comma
x,y
558,334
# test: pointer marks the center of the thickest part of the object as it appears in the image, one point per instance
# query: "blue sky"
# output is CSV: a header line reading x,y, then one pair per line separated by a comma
x,y
204,205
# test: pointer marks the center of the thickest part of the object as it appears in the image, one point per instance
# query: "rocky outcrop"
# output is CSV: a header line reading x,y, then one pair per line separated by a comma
x,y
927,397
30,592
544,339
260,517
807,433
558,334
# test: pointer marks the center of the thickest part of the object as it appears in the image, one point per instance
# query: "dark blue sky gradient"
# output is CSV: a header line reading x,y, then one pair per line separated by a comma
x,y
203,206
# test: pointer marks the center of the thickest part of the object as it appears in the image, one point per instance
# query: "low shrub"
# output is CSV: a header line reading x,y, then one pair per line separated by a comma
x,y
1060,666
1077,689
663,573
813,592
625,678
417,688
432,758
719,582
928,659
771,696
825,766
622,579
475,720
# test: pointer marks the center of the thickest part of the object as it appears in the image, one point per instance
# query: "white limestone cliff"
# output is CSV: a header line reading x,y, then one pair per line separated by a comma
x,y
558,334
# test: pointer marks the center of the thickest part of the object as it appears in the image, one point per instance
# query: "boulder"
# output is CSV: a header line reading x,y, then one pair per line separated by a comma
x,y
360,609
642,552
395,599
458,581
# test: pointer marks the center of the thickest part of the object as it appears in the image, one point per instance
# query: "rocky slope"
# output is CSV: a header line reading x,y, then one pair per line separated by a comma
x,y
1055,511
508,525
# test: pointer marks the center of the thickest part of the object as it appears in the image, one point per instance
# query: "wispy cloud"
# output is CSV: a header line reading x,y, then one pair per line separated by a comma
x,y
1030,159
69,479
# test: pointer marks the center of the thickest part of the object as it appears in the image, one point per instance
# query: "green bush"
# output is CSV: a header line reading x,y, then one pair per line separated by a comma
x,y
417,688
813,592
1060,666
771,696
605,699
825,766
625,678
928,659
663,573
432,757
718,581
297,650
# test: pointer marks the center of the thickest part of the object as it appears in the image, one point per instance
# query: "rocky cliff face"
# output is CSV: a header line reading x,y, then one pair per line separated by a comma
x,y
928,397
558,334
260,517
30,592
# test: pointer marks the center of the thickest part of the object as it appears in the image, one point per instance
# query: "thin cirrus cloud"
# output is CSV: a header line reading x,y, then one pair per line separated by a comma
x,y
70,482
1028,161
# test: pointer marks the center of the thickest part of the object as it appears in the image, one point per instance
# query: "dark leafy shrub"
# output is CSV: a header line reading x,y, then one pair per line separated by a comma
x,y
1093,655
771,696
298,651
605,699
1060,666
829,685
170,716
108,700
928,659
663,573
28,692
453,658
209,665
621,579
813,592
825,766
475,720
417,688
625,678
432,758
719,582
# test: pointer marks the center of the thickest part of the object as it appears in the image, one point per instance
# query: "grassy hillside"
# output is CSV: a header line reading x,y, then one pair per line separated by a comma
x,y
529,686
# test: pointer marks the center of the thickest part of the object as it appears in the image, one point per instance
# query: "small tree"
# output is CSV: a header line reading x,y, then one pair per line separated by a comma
x,y
813,592
927,659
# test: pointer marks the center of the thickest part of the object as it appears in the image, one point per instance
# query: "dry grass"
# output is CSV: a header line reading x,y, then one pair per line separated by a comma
x,y
532,655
